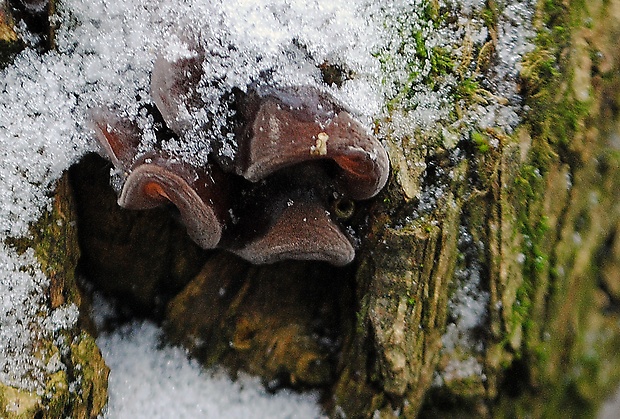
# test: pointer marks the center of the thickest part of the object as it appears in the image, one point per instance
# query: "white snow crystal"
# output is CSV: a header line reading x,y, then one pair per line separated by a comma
x,y
22,317
428,107
148,381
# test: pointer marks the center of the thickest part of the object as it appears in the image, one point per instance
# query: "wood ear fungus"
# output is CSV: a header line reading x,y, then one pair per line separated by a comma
x,y
297,151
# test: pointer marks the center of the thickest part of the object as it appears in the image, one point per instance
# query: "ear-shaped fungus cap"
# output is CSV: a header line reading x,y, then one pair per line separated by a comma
x,y
118,137
275,129
282,131
155,179
286,128
173,90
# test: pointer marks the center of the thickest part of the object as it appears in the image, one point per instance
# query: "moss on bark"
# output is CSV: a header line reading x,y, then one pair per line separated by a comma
x,y
79,390
544,203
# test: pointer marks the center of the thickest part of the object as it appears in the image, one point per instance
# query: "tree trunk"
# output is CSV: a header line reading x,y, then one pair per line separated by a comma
x,y
500,301
529,228
499,298
78,388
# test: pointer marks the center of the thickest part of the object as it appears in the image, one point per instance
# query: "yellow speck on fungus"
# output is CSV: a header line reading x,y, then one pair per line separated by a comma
x,y
320,147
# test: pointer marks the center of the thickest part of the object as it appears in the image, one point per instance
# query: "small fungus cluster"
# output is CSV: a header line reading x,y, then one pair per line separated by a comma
x,y
299,154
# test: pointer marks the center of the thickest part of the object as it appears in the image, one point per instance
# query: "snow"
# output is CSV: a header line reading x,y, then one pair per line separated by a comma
x,y
105,55
426,102
468,310
148,381
24,319
20,300
241,41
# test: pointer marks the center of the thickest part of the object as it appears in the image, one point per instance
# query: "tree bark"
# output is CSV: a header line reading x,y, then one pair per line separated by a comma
x,y
524,238
541,210
528,227
79,389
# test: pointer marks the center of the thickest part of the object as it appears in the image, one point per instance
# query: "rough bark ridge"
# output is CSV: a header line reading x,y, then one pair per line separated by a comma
x,y
544,206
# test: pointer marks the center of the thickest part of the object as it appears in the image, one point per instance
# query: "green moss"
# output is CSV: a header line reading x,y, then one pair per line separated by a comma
x,y
481,141
56,400
58,391
441,61
489,14
431,11
555,114
92,375
533,227
553,120
420,45
539,69
54,240
467,88
556,299
569,113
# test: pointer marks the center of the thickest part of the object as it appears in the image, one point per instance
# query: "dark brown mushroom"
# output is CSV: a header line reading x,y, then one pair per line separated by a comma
x,y
118,137
298,150
287,127
173,90
303,231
